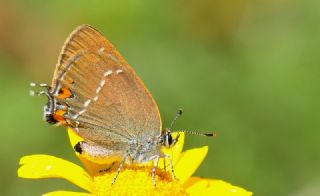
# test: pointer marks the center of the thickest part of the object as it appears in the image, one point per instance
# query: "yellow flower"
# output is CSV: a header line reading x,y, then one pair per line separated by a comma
x,y
133,179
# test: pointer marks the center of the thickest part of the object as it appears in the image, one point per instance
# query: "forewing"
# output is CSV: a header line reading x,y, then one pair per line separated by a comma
x,y
109,102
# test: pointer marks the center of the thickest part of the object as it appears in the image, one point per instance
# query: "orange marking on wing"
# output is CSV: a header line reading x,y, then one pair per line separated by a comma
x,y
59,116
65,93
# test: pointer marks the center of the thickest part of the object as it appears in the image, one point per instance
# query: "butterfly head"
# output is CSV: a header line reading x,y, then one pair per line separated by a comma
x,y
167,140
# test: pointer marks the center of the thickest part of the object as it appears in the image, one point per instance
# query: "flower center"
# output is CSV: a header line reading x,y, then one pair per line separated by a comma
x,y
136,180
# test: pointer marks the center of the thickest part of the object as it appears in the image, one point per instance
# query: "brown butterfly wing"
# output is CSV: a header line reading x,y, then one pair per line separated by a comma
x,y
109,102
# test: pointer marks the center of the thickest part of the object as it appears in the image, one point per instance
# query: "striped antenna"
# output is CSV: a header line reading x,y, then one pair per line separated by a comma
x,y
179,113
212,134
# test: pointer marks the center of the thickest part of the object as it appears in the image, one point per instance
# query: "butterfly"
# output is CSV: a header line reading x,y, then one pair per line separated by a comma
x,y
99,95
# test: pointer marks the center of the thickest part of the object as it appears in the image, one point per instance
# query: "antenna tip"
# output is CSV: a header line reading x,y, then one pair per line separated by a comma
x,y
213,134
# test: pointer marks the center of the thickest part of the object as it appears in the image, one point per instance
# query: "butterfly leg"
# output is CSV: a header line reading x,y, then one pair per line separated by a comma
x,y
164,164
154,170
119,169
171,166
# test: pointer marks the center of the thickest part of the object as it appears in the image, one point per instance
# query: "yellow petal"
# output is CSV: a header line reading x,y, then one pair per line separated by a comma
x,y
45,166
92,168
73,137
66,193
189,161
174,152
201,186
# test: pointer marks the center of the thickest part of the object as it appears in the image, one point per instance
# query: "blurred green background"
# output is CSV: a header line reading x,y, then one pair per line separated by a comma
x,y
247,69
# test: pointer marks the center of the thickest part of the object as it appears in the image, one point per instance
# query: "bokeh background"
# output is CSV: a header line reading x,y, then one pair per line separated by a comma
x,y
247,69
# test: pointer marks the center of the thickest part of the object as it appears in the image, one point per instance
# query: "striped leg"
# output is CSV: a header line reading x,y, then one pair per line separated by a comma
x,y
154,170
171,166
119,169
164,164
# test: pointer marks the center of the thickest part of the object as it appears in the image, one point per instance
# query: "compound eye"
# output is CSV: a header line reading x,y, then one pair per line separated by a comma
x,y
168,140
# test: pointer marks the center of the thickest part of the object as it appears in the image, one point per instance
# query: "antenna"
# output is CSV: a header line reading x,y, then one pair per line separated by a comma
x,y
179,113
212,134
